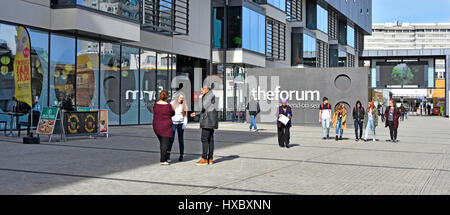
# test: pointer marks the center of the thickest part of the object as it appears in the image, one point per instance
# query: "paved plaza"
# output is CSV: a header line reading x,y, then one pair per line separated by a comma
x,y
245,163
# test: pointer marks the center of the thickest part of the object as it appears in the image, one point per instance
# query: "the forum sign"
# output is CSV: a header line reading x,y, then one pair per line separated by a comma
x,y
304,89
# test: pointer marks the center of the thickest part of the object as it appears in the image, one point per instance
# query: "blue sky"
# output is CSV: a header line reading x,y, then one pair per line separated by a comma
x,y
410,11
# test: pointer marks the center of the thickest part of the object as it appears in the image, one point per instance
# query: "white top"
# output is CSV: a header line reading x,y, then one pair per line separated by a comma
x,y
178,117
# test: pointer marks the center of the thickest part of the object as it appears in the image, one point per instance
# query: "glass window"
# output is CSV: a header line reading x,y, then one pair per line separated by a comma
x,y
322,19
165,14
125,8
280,4
236,29
309,50
62,69
218,28
39,67
253,31
88,3
129,85
162,74
148,85
350,36
110,81
311,15
87,72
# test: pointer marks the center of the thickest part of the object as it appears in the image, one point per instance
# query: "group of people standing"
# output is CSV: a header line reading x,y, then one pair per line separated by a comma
x,y
171,118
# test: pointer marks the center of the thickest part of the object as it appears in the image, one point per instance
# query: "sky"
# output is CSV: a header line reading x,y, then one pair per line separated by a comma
x,y
412,11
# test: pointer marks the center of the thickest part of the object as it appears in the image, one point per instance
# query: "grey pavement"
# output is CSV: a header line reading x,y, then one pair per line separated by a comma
x,y
245,163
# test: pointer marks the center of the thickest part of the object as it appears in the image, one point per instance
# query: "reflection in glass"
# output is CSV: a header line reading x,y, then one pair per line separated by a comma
x,y
309,50
88,3
129,85
350,36
322,19
235,98
62,69
148,83
87,73
162,75
110,81
39,60
253,31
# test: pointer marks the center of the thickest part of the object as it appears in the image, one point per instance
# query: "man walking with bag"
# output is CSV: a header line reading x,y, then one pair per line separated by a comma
x,y
253,110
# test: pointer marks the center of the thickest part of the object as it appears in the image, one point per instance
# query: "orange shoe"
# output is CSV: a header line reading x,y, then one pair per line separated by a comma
x,y
202,162
210,161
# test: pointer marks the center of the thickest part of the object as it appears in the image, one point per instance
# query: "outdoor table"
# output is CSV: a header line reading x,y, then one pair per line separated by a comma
x,y
13,114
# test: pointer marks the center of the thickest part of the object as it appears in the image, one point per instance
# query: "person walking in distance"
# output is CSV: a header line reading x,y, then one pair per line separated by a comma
x,y
284,134
358,118
382,110
179,123
370,121
392,114
325,118
253,110
340,120
209,120
162,124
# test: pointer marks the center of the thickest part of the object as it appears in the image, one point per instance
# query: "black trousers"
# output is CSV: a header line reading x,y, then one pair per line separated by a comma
x,y
358,124
284,135
392,130
207,143
164,143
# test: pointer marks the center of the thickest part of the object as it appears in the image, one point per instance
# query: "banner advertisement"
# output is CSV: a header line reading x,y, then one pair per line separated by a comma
x,y
47,120
81,123
22,67
103,122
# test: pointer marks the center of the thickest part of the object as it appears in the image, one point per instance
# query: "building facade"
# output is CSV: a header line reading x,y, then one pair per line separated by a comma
x,y
119,54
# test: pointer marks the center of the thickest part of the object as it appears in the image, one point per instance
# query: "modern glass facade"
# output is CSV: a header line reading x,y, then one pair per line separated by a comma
x,y
309,50
280,4
253,31
122,79
350,36
322,19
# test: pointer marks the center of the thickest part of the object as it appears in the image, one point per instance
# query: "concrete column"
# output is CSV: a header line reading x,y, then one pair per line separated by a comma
x,y
447,83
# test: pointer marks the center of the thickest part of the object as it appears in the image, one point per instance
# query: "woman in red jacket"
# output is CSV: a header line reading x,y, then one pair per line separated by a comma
x,y
391,115
162,124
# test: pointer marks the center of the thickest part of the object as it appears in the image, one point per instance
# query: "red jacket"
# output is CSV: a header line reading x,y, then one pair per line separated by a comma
x,y
396,116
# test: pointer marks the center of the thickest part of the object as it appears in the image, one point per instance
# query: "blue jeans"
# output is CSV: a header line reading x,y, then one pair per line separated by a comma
x,y
253,123
326,127
369,127
339,127
179,129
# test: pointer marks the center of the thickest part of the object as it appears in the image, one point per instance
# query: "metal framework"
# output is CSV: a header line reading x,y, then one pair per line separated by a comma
x,y
294,10
276,40
165,16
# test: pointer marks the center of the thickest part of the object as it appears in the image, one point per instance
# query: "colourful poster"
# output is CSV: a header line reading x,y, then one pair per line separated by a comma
x,y
103,121
47,120
22,67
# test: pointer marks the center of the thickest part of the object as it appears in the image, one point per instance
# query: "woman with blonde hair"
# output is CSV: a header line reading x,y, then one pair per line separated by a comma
x,y
340,120
179,123
370,121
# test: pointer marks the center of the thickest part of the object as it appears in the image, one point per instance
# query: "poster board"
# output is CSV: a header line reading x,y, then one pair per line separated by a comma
x,y
47,121
81,123
103,122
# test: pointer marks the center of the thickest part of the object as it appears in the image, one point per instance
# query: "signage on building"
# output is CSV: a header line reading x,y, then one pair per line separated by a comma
x,y
47,121
22,67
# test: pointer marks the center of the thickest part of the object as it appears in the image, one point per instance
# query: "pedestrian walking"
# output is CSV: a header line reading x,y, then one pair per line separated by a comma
x,y
209,120
162,124
382,110
253,110
340,120
402,112
370,121
429,110
358,118
392,114
284,129
179,123
325,118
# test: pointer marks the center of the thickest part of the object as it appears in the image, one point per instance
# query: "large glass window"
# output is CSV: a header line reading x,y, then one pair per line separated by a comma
x,y
62,69
39,68
148,84
87,73
322,19
162,74
350,36
280,4
218,27
235,27
253,31
110,81
129,85
309,50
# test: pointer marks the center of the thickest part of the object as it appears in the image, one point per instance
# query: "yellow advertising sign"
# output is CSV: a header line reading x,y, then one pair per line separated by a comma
x,y
440,83
22,67
439,93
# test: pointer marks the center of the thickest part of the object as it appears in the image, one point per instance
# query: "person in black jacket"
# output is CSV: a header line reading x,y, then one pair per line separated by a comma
x,y
253,109
358,117
209,120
